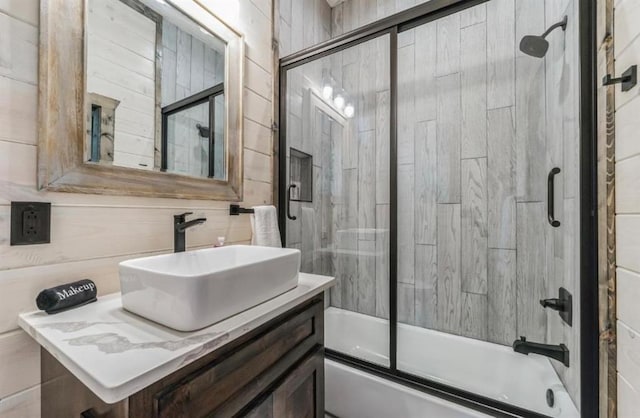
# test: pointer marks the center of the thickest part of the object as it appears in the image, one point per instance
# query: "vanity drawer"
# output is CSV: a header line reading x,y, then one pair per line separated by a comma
x,y
230,381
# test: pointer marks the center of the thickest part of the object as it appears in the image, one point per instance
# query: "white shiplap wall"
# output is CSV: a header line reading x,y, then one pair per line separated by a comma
x,y
627,154
91,233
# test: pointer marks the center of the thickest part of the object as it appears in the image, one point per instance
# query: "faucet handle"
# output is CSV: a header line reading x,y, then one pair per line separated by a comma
x,y
553,303
181,217
563,304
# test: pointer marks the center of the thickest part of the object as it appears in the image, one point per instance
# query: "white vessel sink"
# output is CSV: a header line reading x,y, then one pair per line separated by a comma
x,y
192,290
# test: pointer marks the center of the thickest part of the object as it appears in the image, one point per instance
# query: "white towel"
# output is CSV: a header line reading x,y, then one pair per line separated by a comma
x,y
264,226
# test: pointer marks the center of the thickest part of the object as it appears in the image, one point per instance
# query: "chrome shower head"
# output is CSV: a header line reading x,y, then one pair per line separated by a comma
x,y
537,46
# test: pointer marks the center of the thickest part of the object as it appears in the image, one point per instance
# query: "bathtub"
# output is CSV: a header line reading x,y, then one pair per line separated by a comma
x,y
487,369
351,393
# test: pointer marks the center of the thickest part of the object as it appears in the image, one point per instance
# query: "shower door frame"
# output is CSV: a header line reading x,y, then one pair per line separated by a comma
x,y
589,328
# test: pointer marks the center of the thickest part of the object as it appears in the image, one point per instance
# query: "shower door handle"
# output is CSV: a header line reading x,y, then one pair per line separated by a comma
x,y
291,186
550,197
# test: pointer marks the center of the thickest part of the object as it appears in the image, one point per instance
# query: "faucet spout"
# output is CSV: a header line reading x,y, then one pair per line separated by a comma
x,y
557,352
183,226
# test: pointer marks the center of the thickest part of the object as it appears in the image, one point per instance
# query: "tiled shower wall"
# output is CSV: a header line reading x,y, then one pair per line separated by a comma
x,y
313,230
360,257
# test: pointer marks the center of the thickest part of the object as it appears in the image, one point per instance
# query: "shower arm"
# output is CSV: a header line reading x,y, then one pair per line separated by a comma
x,y
562,24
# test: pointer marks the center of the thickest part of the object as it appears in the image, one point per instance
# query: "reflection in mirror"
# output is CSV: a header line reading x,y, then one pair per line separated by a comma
x,y
155,90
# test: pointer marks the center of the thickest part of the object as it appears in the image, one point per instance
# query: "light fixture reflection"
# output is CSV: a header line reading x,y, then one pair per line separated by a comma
x,y
339,101
327,92
349,110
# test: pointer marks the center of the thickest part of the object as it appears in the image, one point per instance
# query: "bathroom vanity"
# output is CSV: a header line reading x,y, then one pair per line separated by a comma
x,y
102,361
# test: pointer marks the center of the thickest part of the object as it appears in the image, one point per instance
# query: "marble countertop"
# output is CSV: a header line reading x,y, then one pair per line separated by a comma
x,y
116,353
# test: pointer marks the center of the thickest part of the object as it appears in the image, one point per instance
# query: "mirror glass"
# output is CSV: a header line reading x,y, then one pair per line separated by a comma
x,y
155,89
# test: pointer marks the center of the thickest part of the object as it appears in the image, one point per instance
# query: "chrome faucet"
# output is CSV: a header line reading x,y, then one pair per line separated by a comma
x,y
180,225
556,352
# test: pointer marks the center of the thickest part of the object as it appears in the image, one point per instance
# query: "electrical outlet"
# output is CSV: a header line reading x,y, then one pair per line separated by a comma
x,y
30,223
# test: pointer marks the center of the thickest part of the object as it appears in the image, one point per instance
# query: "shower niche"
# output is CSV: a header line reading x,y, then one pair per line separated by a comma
x,y
300,176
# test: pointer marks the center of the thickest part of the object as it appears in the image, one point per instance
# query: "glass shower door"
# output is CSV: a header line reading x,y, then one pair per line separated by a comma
x,y
482,216
337,185
481,128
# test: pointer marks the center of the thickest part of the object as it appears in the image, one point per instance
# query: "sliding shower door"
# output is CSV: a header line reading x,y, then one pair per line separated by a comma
x,y
336,189
488,154
440,144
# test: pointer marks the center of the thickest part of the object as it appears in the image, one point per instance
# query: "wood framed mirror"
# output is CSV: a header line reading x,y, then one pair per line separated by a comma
x,y
140,97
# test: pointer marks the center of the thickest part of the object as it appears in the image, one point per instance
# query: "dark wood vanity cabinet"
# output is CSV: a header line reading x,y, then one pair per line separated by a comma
x,y
274,371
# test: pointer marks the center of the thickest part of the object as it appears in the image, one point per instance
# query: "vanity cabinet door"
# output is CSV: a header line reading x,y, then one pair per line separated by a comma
x,y
263,410
301,395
